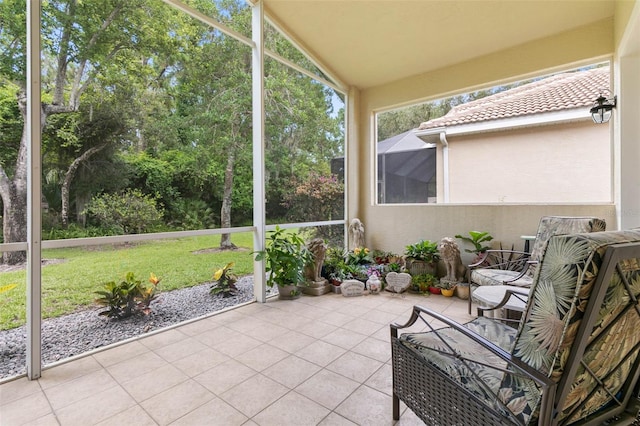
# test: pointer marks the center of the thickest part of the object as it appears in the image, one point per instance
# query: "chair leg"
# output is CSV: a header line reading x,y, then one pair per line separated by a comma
x,y
396,407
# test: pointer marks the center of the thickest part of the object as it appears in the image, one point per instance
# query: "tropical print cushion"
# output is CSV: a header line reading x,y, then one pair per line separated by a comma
x,y
480,372
486,276
560,225
557,304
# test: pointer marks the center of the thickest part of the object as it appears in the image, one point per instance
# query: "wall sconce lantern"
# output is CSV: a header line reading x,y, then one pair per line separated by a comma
x,y
601,110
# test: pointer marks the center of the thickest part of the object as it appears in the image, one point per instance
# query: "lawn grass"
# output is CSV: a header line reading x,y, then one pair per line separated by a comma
x,y
70,285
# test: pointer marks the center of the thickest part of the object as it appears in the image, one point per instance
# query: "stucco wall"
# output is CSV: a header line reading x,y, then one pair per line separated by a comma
x,y
568,163
392,227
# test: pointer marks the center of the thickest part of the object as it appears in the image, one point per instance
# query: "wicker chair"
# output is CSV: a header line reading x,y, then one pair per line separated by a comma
x,y
517,268
573,359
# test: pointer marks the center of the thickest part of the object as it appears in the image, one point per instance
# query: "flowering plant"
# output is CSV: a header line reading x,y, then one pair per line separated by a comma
x,y
358,256
225,281
129,296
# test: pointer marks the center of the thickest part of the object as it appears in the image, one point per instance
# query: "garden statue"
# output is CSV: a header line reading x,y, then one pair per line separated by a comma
x,y
450,254
356,233
318,249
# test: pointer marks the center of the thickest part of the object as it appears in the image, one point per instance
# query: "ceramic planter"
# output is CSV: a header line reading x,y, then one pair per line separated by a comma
x,y
448,291
288,292
434,290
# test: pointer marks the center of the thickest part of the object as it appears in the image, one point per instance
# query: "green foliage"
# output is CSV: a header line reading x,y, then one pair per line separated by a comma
x,y
423,250
130,212
286,257
316,197
192,214
476,238
127,297
225,281
358,256
422,282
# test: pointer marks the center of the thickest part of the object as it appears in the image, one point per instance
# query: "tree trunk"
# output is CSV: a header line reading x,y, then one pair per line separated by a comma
x,y
68,178
225,212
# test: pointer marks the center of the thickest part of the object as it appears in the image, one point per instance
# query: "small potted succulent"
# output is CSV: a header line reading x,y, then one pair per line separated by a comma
x,y
285,259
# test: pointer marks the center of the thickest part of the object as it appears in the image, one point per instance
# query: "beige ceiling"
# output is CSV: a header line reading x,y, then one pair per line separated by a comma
x,y
367,43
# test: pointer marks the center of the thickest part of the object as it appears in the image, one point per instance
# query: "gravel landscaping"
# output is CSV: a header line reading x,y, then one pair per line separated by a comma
x,y
83,331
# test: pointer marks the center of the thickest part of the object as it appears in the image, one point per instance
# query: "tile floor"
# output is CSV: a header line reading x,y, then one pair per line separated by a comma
x,y
321,360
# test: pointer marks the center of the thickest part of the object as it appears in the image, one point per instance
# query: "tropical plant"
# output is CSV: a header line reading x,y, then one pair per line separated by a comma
x,y
286,257
225,281
422,282
358,256
127,297
424,250
476,238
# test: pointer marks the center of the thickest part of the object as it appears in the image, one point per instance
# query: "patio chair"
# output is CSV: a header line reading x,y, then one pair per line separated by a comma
x,y
517,268
574,358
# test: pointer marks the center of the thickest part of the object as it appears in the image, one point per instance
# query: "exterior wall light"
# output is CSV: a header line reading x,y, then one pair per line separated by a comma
x,y
601,110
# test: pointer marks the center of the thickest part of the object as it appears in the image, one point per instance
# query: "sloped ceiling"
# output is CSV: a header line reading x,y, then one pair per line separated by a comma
x,y
367,43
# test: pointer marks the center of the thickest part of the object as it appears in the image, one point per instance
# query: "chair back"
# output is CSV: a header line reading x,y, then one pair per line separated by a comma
x,y
560,225
581,328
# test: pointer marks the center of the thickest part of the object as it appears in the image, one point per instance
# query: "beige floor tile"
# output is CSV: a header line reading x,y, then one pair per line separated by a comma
x,y
17,389
96,408
254,395
381,317
321,353
292,409
327,388
354,366
367,407
120,353
224,376
216,335
136,366
334,419
344,338
68,371
265,331
383,334
374,348
337,319
362,326
291,371
382,380
198,327
154,382
353,310
177,401
292,341
408,418
314,313
180,349
214,412
200,362
237,345
24,410
163,339
48,420
82,387
316,329
134,415
262,357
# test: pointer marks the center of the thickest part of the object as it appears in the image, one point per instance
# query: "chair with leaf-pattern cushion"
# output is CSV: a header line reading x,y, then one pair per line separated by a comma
x,y
516,268
574,358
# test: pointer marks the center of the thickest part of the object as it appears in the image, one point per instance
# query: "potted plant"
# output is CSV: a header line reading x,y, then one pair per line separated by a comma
x,y
447,288
285,259
422,257
422,283
477,239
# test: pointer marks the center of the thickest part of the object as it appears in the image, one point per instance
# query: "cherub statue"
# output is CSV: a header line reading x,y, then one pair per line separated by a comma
x,y
318,249
356,233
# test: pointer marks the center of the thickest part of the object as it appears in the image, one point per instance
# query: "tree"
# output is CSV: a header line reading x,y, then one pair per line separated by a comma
x,y
82,42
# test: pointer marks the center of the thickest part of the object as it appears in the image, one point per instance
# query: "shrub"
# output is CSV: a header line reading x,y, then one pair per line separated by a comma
x,y
128,297
130,212
225,281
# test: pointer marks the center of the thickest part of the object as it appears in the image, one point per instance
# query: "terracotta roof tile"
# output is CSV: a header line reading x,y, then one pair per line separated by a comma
x,y
559,92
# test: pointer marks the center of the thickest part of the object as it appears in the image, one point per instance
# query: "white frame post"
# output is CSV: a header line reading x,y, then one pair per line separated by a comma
x,y
34,194
259,214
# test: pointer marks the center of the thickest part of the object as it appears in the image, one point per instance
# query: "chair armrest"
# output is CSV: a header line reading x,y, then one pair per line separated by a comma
x,y
542,380
516,292
513,260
